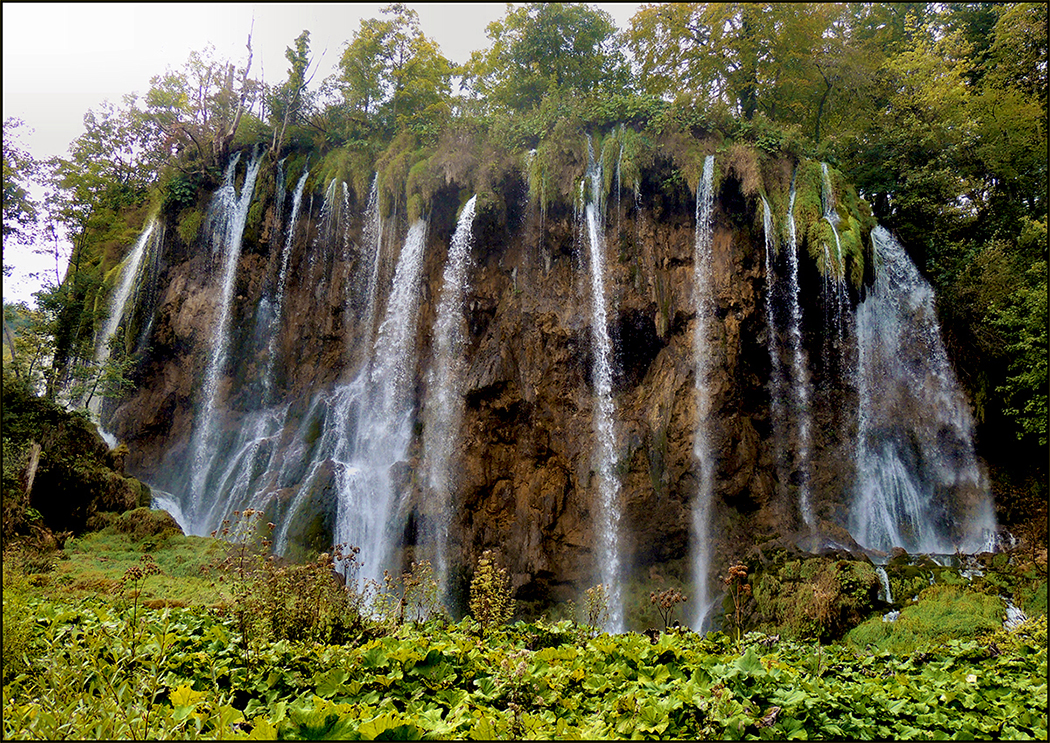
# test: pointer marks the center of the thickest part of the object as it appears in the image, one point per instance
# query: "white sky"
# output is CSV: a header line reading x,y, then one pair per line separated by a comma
x,y
62,59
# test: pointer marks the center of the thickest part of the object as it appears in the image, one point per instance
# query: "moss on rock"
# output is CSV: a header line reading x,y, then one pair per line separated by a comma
x,y
814,598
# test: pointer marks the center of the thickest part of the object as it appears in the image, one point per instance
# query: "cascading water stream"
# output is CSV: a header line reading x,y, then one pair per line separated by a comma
x,y
118,304
919,485
118,307
373,239
228,213
605,410
444,408
887,594
366,428
776,373
278,203
704,305
368,497
799,375
282,278
834,267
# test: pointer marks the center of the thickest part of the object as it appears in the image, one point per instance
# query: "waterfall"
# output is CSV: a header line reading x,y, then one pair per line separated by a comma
x,y
373,238
118,307
368,491
919,485
118,303
799,375
278,203
601,370
887,594
444,408
704,306
248,477
227,215
776,374
365,429
282,278
834,268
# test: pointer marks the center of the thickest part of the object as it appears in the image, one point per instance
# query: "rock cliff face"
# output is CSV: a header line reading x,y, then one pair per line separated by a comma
x,y
524,460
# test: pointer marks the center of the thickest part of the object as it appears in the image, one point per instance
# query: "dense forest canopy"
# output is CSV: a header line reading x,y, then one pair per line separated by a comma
x,y
937,113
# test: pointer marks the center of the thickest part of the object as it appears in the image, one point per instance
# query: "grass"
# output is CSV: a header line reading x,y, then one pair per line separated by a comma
x,y
95,563
93,661
943,612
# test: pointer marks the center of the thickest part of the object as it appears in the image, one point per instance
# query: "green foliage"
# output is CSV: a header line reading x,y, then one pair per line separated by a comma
x,y
813,599
111,663
539,49
447,685
596,607
189,225
271,600
411,598
17,622
180,192
942,612
491,604
20,209
392,77
75,477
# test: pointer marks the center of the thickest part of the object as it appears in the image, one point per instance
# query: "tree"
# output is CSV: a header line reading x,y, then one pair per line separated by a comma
x,y
391,75
195,112
800,64
290,101
20,208
544,48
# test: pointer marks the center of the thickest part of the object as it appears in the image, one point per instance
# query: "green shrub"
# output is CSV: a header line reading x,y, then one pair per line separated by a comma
x,y
490,601
943,612
17,622
190,225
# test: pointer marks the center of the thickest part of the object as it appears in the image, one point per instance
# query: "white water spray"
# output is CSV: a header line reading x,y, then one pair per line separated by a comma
x,y
919,485
605,409
799,372
275,323
228,213
704,306
444,408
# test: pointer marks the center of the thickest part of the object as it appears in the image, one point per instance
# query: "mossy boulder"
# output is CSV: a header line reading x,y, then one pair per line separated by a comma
x,y
813,598
72,477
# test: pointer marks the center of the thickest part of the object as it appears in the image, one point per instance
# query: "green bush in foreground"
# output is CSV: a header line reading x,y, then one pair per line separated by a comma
x,y
104,672
17,622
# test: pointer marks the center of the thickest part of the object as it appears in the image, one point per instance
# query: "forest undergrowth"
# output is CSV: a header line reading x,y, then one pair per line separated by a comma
x,y
120,636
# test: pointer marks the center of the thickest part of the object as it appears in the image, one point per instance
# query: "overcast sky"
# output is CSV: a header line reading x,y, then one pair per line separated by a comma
x,y
62,59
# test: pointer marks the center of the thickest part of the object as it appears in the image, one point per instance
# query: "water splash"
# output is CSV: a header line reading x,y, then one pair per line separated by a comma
x,y
226,219
800,382
605,410
703,303
919,485
275,322
444,408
